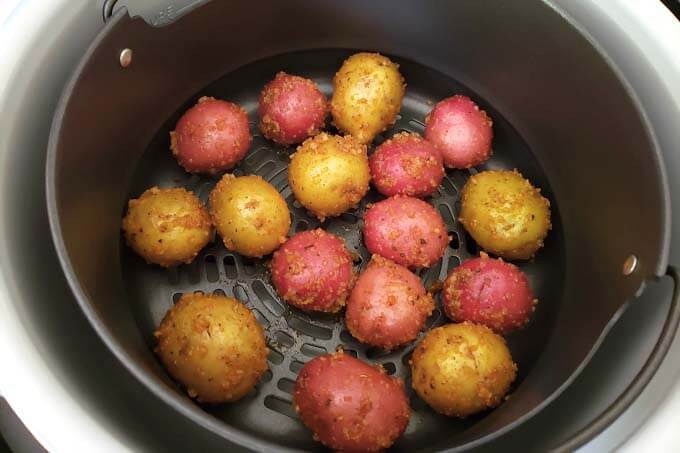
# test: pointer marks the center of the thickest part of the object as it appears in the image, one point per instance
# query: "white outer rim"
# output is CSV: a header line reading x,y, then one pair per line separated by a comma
x,y
60,423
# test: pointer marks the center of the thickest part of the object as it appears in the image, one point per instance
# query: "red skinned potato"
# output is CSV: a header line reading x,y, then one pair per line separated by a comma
x,y
291,109
211,136
461,130
388,305
490,292
313,271
405,230
407,164
350,405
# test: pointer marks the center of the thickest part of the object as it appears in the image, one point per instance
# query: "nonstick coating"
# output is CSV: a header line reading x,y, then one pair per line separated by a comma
x,y
295,337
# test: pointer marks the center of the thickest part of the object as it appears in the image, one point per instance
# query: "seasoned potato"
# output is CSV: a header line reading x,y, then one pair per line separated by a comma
x,y
406,164
350,405
461,130
213,345
461,369
388,306
490,292
313,271
167,226
250,215
329,174
367,94
405,230
505,214
211,136
291,109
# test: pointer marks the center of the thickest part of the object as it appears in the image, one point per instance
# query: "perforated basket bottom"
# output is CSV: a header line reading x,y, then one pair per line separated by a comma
x,y
295,337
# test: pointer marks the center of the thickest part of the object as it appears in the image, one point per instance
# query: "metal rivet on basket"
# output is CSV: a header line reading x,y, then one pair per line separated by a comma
x,y
125,57
630,265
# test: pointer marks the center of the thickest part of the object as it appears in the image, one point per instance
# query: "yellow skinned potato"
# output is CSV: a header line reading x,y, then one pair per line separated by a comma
x,y
367,94
167,226
213,345
505,214
461,369
250,214
329,174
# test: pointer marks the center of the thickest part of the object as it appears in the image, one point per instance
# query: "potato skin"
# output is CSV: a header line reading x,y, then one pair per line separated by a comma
x,y
167,227
313,271
405,230
211,137
461,130
505,214
250,215
388,305
461,369
213,345
329,174
367,94
350,405
490,292
291,109
406,165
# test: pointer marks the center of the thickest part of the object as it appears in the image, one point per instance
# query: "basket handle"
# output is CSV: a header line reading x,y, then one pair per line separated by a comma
x,y
639,383
154,12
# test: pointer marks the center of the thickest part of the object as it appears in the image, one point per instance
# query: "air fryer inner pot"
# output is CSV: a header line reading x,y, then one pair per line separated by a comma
x,y
560,116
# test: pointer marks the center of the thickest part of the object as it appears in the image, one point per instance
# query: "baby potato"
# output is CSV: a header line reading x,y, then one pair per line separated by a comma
x,y
461,369
167,226
213,345
313,271
490,292
350,405
250,215
210,137
367,94
329,174
388,305
291,108
505,214
406,230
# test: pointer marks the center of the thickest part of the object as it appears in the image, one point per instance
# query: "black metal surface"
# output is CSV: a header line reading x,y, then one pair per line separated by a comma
x,y
295,337
524,69
641,380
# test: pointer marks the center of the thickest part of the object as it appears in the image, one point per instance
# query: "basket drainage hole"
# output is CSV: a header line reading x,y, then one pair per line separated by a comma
x,y
286,385
211,271
454,262
455,240
296,366
264,322
309,329
273,305
312,350
176,297
449,188
389,367
249,266
266,376
446,213
280,405
275,356
376,353
471,246
284,339
347,337
219,292
302,225
230,267
240,293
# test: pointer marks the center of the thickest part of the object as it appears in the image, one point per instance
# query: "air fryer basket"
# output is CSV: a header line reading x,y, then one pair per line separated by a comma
x,y
561,116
